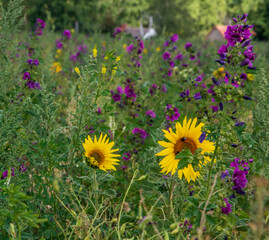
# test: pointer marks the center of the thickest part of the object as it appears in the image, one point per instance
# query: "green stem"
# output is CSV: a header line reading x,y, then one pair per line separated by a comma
x,y
95,188
211,166
19,231
171,198
118,224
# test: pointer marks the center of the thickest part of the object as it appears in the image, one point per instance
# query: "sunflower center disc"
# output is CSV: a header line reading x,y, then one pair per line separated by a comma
x,y
97,157
185,143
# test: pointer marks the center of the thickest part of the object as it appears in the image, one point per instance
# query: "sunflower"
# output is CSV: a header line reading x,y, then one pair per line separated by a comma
x,y
187,136
99,153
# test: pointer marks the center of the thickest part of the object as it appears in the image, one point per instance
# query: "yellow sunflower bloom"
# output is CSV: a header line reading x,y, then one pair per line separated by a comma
x,y
186,137
99,153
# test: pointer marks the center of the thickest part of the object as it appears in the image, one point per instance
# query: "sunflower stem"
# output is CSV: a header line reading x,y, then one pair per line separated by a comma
x,y
171,198
95,188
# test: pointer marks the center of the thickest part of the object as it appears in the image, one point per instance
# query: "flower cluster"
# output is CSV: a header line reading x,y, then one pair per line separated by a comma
x,y
239,175
40,24
28,76
172,113
137,49
128,92
238,44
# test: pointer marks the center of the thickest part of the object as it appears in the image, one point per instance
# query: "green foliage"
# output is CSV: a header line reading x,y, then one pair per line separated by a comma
x,y
50,191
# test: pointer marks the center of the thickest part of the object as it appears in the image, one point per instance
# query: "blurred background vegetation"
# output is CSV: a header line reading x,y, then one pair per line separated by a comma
x,y
178,16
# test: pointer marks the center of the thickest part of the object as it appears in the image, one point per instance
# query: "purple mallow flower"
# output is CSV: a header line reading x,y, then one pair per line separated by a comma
x,y
151,113
188,46
224,174
166,56
138,131
130,48
36,62
239,175
40,23
67,34
237,33
223,49
197,96
172,113
228,209
179,57
243,76
33,85
26,76
174,38
199,79
126,156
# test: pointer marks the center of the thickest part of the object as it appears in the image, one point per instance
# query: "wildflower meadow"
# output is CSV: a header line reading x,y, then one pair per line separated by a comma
x,y
109,136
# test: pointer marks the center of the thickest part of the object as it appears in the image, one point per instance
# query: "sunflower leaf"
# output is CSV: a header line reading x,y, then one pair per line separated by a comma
x,y
185,157
182,163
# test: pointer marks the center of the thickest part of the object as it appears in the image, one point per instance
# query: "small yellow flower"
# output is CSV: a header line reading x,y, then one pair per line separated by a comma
x,y
124,46
250,77
118,58
106,57
114,70
77,70
94,52
158,49
103,69
145,51
57,67
220,73
59,51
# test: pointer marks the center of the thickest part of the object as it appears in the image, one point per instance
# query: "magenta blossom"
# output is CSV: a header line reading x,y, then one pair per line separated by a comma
x,y
166,56
39,32
174,38
40,23
126,156
67,34
26,76
138,131
172,113
151,113
187,45
228,209
179,57
130,48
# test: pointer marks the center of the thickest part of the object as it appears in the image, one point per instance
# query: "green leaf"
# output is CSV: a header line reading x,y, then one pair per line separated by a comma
x,y
110,192
193,200
182,163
